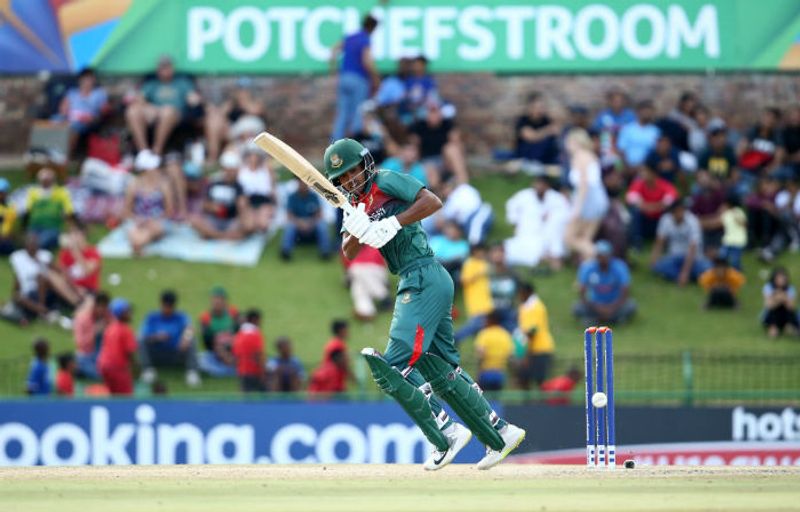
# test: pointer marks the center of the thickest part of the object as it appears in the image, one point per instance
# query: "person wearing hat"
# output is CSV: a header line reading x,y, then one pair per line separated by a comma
x,y
148,203
677,253
225,205
8,216
218,325
118,350
604,289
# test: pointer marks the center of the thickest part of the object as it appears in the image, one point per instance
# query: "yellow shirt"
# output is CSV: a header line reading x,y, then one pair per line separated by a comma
x,y
730,278
496,345
533,316
475,280
8,215
734,225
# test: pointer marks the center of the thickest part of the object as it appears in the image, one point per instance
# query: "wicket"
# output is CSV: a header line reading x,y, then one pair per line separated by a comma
x,y
599,367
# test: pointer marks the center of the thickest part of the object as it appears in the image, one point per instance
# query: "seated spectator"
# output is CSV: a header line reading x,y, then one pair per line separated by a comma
x,y
83,107
734,231
373,135
678,252
589,198
788,203
239,103
791,145
780,304
503,283
340,330
305,223
615,226
118,350
761,152
421,88
285,372
47,208
561,386
539,215
450,248
225,205
39,381
536,134
148,203
719,158
166,338
440,147
258,182
707,198
391,93
80,262
636,139
91,321
330,376
534,327
763,219
605,284
218,325
248,349
8,219
679,122
65,381
648,198
666,161
463,205
721,284
616,114
493,348
369,283
163,102
476,286
407,161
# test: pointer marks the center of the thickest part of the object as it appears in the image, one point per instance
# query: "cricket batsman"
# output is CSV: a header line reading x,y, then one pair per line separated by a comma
x,y
421,358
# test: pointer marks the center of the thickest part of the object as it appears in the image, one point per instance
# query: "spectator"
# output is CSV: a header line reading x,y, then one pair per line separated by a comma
x,y
369,283
791,144
535,329
218,325
65,381
462,204
561,386
648,198
163,102
604,289
477,292
503,283
615,226
239,105
440,147
83,107
258,183
39,381
373,134
225,205
118,349
80,262
761,152
391,97
421,87
450,248
407,161
536,134
47,208
91,321
357,75
678,252
636,139
616,114
780,304
666,161
679,123
721,284
8,219
707,199
148,203
305,223
493,348
702,127
788,203
763,218
589,199
719,158
286,372
734,227
166,338
330,376
248,349
335,351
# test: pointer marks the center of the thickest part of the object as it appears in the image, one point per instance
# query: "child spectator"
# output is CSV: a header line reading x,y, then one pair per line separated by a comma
x,y
80,262
47,208
780,305
258,184
369,283
535,328
39,382
604,289
248,349
721,282
494,348
734,227
225,206
477,292
148,203
118,350
65,382
679,235
218,325
285,372
649,196
91,321
8,219
561,386
305,223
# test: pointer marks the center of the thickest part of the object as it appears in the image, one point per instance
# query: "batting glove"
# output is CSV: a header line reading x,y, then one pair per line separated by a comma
x,y
357,221
380,232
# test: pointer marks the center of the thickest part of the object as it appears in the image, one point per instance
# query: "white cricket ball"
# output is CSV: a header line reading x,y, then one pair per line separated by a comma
x,y
114,279
599,400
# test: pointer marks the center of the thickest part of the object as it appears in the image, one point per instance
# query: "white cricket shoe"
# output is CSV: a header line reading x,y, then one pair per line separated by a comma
x,y
512,436
457,436
193,379
149,375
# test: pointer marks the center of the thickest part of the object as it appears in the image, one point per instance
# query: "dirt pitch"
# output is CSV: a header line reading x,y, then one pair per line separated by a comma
x,y
384,488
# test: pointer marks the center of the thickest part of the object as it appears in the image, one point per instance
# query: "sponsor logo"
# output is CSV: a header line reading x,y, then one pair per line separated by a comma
x,y
406,298
766,426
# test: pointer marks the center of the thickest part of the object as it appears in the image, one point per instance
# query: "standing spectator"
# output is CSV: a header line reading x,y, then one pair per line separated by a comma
x,y
369,283
440,147
305,223
589,198
638,138
225,206
561,386
39,381
47,208
65,381
248,349
678,252
166,338
707,199
494,348
536,134
80,262
665,160
534,326
721,284
761,152
239,105
285,371
91,321
407,161
218,325
118,350
477,292
8,219
604,289
503,283
148,203
648,197
357,75
258,183
163,102
83,107
780,304
734,227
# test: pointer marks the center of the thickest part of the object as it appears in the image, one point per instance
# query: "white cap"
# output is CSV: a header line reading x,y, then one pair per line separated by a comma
x,y
146,160
230,160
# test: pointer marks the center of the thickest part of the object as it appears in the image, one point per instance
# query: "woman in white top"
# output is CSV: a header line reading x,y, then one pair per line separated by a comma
x,y
589,198
258,184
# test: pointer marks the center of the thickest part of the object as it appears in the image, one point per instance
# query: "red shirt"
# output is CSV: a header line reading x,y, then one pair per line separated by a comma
x,y
366,254
562,384
67,261
65,385
328,378
119,343
248,345
332,346
660,192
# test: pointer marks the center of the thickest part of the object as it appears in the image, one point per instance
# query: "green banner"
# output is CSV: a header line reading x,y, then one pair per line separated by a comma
x,y
509,36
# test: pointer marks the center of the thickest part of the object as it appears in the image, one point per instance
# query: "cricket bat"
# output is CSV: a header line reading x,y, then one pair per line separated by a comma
x,y
303,169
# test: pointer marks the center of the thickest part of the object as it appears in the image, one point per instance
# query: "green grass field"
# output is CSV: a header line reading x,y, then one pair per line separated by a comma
x,y
300,298
388,488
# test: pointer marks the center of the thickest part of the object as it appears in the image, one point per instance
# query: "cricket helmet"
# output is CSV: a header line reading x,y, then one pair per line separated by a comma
x,y
343,155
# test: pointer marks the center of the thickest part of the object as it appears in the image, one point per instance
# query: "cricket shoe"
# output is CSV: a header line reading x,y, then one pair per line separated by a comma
x,y
512,437
457,436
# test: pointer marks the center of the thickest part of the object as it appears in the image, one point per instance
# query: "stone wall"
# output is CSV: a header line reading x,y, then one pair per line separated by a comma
x,y
300,109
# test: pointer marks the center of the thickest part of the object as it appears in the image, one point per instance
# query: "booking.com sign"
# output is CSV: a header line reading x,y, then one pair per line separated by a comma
x,y
173,432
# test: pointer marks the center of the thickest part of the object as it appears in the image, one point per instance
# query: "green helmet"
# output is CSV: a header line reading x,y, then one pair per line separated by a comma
x,y
343,155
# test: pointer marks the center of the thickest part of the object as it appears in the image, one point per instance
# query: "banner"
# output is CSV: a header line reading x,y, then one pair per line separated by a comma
x,y
296,36
58,433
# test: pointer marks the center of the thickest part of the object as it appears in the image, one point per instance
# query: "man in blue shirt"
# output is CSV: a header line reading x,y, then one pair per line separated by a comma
x,y
166,338
605,288
305,223
39,382
638,138
285,372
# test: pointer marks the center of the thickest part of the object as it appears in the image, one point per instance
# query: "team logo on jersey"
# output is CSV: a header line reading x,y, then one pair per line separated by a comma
x,y
336,161
406,298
